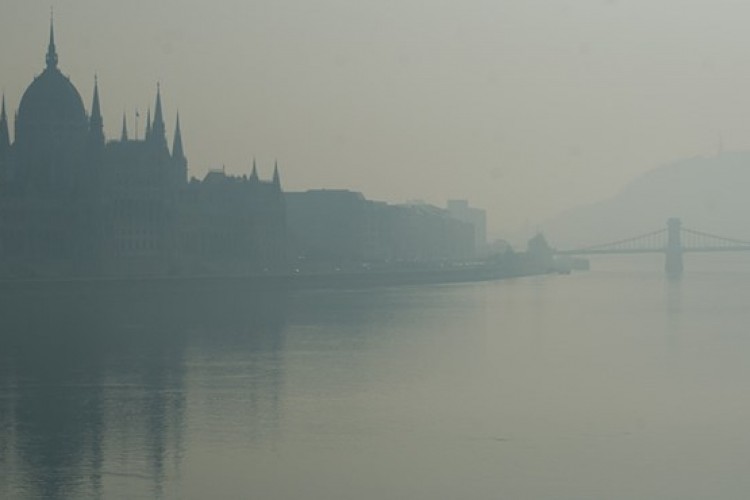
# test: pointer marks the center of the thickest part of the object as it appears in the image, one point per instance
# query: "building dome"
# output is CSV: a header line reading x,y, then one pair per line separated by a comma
x,y
51,101
51,126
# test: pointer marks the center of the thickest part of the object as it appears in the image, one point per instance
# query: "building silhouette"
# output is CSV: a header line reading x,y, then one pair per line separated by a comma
x,y
460,209
335,229
73,203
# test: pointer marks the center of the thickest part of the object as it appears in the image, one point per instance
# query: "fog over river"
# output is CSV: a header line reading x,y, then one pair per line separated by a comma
x,y
614,384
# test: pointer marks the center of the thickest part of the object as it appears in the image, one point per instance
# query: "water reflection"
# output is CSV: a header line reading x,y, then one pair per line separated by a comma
x,y
88,373
514,389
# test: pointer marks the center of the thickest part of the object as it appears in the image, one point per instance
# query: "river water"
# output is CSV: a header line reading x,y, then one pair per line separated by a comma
x,y
610,384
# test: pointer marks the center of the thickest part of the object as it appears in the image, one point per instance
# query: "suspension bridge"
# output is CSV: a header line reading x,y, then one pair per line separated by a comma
x,y
673,241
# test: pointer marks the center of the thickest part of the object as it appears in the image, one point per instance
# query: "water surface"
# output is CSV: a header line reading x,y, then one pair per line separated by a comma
x,y
613,384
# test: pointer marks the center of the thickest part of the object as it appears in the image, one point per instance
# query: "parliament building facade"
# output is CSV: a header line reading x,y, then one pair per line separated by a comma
x,y
73,203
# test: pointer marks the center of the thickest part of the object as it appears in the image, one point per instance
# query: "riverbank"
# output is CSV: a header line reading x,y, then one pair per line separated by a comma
x,y
276,281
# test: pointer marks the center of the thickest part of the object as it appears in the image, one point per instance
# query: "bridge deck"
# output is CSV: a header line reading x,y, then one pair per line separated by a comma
x,y
673,241
652,250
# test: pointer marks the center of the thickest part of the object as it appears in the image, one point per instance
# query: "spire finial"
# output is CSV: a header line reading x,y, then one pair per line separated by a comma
x,y
157,110
177,151
158,131
51,50
124,134
96,113
276,178
254,174
4,136
96,124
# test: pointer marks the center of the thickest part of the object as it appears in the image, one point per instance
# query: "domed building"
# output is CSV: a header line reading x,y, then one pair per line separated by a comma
x,y
74,204
51,129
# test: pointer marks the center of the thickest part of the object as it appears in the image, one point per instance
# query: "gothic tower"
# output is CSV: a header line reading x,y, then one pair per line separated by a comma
x,y
96,123
4,135
178,154
158,135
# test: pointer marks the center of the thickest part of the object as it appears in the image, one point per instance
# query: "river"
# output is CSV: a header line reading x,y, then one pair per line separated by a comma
x,y
611,384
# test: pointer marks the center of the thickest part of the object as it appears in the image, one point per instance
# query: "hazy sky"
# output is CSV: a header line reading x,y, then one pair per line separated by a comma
x,y
525,107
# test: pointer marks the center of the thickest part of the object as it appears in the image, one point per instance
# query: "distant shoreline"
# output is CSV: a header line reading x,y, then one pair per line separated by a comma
x,y
292,281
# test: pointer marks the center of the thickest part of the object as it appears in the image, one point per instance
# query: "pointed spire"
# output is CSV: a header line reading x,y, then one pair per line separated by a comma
x,y
254,174
96,124
51,50
96,112
158,132
157,111
4,136
177,151
124,133
276,178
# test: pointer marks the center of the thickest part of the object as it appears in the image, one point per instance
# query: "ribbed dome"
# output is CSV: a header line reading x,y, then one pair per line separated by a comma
x,y
50,102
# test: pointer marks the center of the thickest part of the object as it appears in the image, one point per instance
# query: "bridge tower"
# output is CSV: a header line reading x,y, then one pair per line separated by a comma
x,y
673,264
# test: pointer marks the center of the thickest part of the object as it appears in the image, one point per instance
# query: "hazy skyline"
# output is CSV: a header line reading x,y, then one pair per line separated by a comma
x,y
525,108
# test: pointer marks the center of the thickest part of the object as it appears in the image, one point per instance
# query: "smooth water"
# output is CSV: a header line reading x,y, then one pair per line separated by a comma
x,y
611,384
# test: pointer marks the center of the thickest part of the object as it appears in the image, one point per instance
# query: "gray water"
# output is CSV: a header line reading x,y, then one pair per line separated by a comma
x,y
612,384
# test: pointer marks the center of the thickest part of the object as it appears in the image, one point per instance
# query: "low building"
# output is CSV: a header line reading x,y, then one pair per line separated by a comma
x,y
340,229
460,210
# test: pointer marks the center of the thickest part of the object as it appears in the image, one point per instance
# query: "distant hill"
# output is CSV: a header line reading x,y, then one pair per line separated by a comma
x,y
708,194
